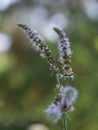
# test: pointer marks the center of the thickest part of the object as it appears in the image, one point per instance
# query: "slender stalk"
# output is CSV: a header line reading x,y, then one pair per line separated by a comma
x,y
64,120
67,82
64,124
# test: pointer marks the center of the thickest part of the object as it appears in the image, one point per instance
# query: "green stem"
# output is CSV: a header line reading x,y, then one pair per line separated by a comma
x,y
64,124
67,82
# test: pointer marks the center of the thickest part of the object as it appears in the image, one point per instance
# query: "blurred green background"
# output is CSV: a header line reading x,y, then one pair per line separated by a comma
x,y
26,83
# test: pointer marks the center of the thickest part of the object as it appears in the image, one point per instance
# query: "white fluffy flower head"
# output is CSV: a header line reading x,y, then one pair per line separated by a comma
x,y
69,95
63,103
54,112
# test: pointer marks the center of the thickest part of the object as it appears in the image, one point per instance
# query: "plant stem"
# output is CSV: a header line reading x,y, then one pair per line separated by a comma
x,y
67,82
64,124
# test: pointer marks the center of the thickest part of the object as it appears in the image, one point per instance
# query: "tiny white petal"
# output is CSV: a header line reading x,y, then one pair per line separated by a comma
x,y
71,109
68,51
66,45
54,111
66,39
69,95
42,55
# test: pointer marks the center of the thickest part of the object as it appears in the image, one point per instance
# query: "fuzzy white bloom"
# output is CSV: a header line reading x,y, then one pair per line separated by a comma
x,y
54,112
69,95
63,103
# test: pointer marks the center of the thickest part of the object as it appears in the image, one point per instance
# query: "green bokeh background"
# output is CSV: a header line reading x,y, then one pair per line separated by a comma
x,y
26,83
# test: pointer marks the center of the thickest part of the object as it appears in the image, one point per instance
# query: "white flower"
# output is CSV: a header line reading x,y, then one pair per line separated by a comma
x,y
68,51
54,112
71,109
69,95
63,103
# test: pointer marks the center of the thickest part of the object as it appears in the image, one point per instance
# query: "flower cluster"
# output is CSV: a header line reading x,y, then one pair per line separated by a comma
x,y
64,53
63,103
39,46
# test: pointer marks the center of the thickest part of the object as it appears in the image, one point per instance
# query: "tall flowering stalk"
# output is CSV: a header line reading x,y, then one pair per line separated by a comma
x,y
66,95
39,46
65,53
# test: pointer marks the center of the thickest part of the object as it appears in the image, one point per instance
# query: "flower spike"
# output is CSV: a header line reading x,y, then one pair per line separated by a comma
x,y
64,53
39,46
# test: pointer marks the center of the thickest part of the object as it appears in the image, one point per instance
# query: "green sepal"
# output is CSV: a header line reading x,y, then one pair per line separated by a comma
x,y
23,26
65,116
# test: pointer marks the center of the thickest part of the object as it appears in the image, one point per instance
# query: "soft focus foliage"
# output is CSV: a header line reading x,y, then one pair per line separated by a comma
x,y
26,84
